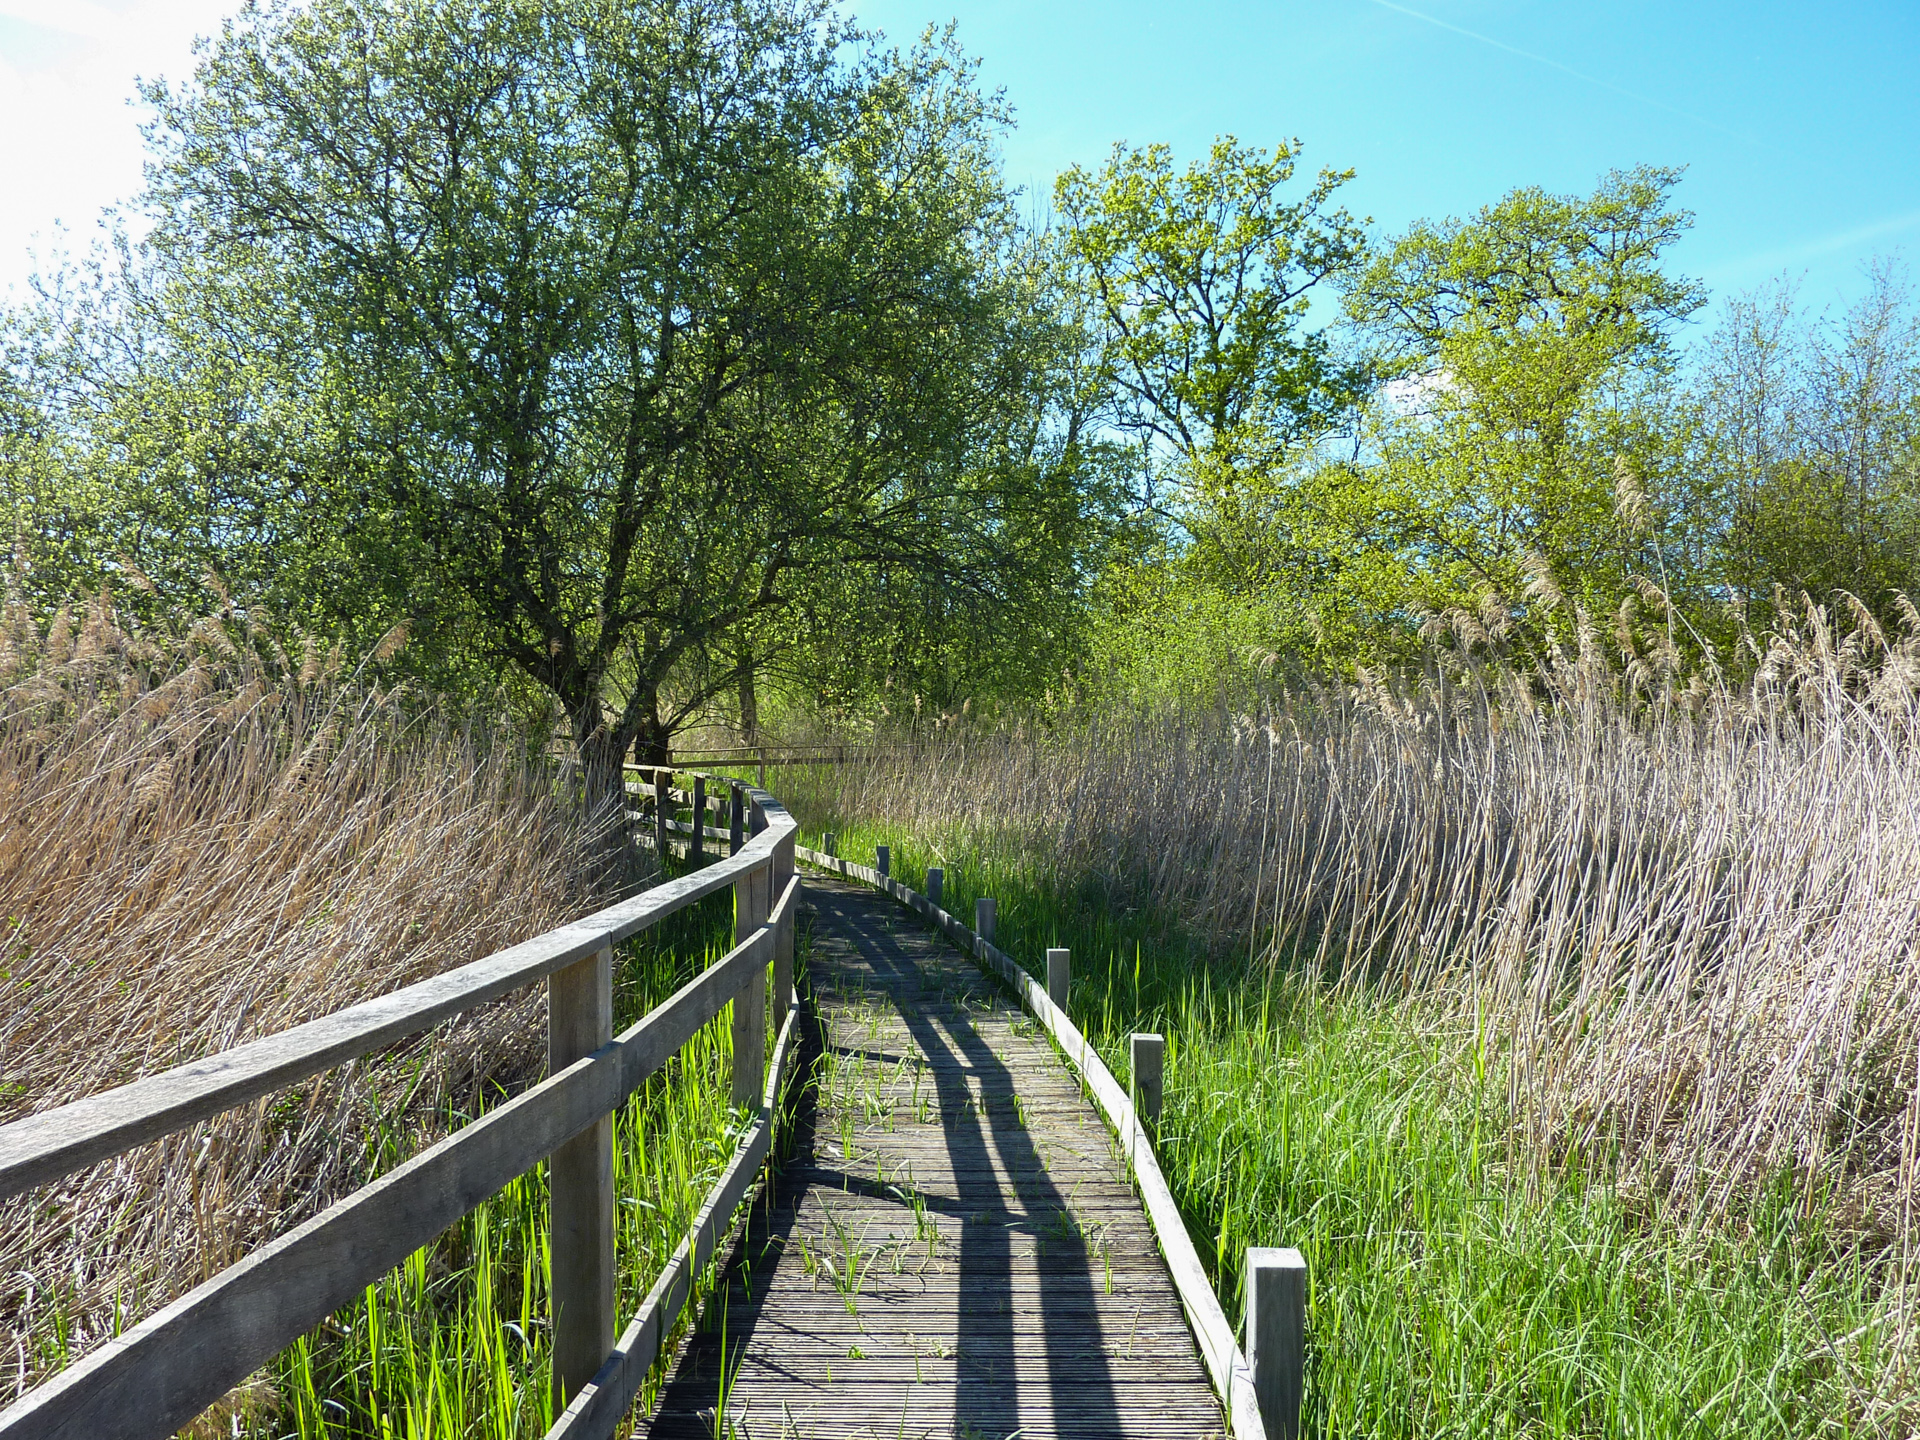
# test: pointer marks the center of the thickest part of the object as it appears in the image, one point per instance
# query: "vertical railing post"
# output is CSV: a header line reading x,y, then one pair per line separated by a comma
x,y
986,915
883,860
749,1006
783,939
936,885
830,843
580,1186
736,821
750,905
662,779
1059,976
697,852
1276,1336
763,767
1149,1057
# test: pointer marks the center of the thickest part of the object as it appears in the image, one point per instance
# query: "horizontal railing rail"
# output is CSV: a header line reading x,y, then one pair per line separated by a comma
x,y
165,1370
1227,1364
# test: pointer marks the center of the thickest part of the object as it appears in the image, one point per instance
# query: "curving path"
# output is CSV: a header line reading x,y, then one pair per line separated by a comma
x,y
955,1249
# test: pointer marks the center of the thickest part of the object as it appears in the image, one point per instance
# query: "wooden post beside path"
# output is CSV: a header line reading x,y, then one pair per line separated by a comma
x,y
1276,1336
580,1182
1059,976
986,916
1148,1056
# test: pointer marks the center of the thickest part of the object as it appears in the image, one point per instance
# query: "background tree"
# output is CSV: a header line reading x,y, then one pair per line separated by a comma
x,y
1198,287
1811,438
622,324
1531,436
1195,289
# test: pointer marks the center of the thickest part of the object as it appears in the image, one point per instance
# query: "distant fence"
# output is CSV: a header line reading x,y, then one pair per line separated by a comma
x,y
166,1370
765,757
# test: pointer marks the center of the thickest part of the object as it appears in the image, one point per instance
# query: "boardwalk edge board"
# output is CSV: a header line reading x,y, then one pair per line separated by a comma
x,y
1226,1363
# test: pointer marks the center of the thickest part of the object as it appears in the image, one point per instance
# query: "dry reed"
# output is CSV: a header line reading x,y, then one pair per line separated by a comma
x,y
1683,913
202,841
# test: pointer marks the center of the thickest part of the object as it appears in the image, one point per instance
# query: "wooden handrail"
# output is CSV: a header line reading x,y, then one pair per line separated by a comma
x,y
168,1368
44,1147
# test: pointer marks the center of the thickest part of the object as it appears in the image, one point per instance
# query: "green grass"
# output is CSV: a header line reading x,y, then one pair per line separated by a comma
x,y
1455,1288
455,1342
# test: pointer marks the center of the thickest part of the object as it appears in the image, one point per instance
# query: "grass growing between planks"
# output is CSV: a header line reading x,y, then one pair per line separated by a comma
x,y
1457,1286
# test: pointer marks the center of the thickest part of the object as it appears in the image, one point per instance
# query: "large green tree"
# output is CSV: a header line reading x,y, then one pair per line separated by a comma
x,y
1530,435
611,329
1197,286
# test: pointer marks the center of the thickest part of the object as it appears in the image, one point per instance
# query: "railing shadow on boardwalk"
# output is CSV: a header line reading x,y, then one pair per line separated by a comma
x,y
1001,1191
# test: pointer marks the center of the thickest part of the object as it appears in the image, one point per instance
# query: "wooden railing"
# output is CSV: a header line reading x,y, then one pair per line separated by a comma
x,y
1260,1386
159,1375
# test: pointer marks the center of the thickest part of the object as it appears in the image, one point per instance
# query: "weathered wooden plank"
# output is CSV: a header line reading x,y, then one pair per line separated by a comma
x,y
921,1411
42,1148
1225,1362
166,1370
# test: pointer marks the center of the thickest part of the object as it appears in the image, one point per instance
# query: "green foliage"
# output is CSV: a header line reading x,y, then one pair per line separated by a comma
x,y
875,637
1195,288
1810,434
1201,284
55,512
683,362
1531,436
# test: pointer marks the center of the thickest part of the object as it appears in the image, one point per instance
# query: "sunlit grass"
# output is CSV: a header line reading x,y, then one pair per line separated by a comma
x,y
1458,1287
455,1343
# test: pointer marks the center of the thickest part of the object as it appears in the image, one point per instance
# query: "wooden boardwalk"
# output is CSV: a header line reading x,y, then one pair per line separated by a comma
x,y
955,1249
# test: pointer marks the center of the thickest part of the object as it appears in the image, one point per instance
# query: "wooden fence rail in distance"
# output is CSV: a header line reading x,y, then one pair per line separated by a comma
x,y
159,1375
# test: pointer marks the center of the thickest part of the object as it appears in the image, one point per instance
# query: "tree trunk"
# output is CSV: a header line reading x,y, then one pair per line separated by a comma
x,y
605,796
749,701
647,733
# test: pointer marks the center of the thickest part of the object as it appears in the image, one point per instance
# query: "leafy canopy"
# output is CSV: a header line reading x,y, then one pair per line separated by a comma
x,y
619,324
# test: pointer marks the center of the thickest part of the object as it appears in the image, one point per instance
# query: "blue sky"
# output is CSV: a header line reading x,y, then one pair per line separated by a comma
x,y
1799,124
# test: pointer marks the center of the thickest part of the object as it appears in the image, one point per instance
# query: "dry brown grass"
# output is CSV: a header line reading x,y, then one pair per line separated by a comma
x,y
1682,912
202,841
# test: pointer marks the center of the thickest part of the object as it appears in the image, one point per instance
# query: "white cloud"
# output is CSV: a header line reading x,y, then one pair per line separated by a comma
x,y
69,138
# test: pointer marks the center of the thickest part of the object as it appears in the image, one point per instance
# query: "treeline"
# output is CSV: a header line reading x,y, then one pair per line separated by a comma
x,y
688,361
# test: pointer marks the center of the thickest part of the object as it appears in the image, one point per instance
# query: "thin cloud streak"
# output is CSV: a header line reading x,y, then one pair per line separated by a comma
x,y
1440,24
1767,260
